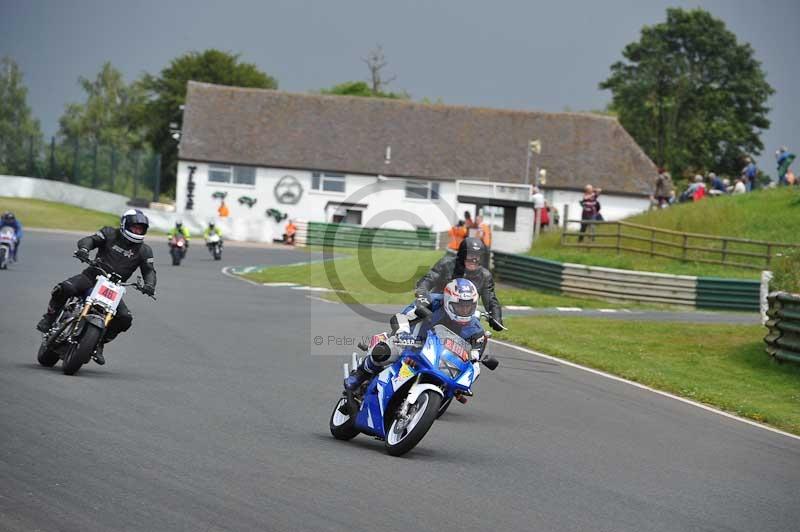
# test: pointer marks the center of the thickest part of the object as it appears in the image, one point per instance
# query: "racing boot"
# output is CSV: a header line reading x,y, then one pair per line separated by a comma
x,y
366,369
46,322
98,354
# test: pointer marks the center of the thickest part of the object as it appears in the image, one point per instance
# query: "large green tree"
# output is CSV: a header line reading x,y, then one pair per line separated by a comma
x,y
167,93
20,133
109,115
691,95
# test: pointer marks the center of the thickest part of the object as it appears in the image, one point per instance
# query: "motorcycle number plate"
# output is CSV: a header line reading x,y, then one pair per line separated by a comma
x,y
107,293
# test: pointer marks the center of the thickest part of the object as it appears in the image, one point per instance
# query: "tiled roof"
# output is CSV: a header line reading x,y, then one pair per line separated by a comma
x,y
271,128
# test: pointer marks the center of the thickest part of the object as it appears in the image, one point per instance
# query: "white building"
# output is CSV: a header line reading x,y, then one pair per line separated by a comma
x,y
390,163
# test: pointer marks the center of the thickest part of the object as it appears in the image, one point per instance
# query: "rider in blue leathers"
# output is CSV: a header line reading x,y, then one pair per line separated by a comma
x,y
457,313
10,220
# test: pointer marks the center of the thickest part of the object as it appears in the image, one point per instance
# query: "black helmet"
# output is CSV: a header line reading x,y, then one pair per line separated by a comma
x,y
131,218
9,217
178,223
472,247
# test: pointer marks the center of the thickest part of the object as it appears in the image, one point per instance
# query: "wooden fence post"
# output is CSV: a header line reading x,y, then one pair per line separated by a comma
x,y
769,254
619,236
652,241
724,250
566,224
685,242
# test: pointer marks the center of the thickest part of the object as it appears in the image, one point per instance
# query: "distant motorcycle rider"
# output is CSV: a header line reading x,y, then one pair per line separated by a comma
x,y
467,264
212,229
457,313
9,220
179,229
122,250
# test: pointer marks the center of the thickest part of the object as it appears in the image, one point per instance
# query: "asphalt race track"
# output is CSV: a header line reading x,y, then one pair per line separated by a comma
x,y
212,414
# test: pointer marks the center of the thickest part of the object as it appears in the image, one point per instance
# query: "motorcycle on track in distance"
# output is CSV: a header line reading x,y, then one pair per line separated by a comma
x,y
8,241
214,243
400,404
80,326
177,249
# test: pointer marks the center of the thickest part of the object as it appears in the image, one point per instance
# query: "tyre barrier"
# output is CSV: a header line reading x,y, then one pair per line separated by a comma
x,y
627,285
783,325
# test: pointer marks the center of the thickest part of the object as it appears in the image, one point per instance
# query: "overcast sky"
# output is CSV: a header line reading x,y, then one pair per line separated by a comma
x,y
530,55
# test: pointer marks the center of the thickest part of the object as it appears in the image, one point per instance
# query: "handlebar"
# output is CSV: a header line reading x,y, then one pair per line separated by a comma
x,y
138,285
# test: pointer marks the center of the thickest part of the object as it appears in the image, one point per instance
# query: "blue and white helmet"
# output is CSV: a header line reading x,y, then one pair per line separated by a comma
x,y
460,300
133,224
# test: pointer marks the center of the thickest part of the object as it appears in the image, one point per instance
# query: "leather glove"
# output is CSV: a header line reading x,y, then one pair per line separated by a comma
x,y
149,290
82,254
495,324
423,300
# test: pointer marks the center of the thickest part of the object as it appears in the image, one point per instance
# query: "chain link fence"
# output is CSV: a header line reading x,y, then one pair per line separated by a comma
x,y
129,172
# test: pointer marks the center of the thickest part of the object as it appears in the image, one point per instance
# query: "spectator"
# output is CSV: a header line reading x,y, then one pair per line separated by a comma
x,y
696,190
663,186
472,227
784,162
223,210
485,234
750,174
673,196
289,234
538,203
457,234
717,185
556,216
790,179
739,187
544,216
591,208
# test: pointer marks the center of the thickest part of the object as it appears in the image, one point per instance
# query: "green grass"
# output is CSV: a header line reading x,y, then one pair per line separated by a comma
x,y
400,270
51,215
763,215
720,365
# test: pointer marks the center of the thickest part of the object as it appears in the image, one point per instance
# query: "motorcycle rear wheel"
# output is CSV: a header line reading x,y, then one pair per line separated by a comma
x,y
80,353
401,439
343,427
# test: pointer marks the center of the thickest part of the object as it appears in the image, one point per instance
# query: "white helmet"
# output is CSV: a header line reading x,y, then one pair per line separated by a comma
x,y
133,224
460,300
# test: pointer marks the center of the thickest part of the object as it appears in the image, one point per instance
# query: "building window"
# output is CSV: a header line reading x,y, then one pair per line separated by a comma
x,y
327,182
422,190
238,175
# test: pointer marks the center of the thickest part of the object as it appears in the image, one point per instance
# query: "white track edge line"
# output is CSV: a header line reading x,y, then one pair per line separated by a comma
x,y
648,388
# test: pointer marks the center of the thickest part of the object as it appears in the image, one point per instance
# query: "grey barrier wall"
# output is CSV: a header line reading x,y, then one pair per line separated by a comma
x,y
627,285
783,325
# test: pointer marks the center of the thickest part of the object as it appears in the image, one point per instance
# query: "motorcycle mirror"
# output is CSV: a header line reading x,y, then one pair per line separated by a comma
x,y
491,363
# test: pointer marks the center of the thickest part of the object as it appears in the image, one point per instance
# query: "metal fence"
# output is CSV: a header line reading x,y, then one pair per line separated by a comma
x,y
783,338
347,235
132,173
688,247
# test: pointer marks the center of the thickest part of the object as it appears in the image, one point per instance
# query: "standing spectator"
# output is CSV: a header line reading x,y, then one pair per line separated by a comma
x,y
457,234
472,227
544,216
750,174
223,210
591,208
538,204
485,234
784,162
717,185
740,187
663,186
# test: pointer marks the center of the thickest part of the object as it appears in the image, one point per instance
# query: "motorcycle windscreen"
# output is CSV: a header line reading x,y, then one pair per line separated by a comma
x,y
454,359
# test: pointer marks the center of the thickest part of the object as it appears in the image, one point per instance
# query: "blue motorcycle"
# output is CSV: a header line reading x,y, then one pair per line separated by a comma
x,y
400,404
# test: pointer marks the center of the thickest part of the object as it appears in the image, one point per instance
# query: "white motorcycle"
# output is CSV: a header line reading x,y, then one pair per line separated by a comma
x,y
80,326
214,243
8,241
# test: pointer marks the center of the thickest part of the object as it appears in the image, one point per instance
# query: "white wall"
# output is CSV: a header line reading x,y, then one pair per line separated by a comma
x,y
380,196
612,207
520,240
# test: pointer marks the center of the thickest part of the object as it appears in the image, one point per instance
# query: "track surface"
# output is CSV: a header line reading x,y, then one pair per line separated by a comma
x,y
212,414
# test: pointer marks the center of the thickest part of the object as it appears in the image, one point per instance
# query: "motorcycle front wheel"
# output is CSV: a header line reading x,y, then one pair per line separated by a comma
x,y
445,405
343,426
404,434
80,353
3,257
176,257
46,356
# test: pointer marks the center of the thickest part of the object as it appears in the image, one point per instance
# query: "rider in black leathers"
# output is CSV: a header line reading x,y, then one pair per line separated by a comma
x,y
466,264
122,251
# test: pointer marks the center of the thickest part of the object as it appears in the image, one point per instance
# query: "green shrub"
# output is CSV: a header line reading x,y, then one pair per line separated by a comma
x,y
787,273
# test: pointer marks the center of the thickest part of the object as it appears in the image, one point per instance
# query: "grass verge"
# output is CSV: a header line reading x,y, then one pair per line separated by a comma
x,y
375,281
720,365
51,215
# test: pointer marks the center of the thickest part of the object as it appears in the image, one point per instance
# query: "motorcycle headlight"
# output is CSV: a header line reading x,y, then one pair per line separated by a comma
x,y
448,367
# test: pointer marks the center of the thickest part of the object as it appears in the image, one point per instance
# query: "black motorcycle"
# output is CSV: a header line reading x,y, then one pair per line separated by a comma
x,y
80,326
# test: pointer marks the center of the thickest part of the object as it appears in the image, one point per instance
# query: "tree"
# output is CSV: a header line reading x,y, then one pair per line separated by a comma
x,y
20,133
691,95
109,115
167,94
360,88
376,62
